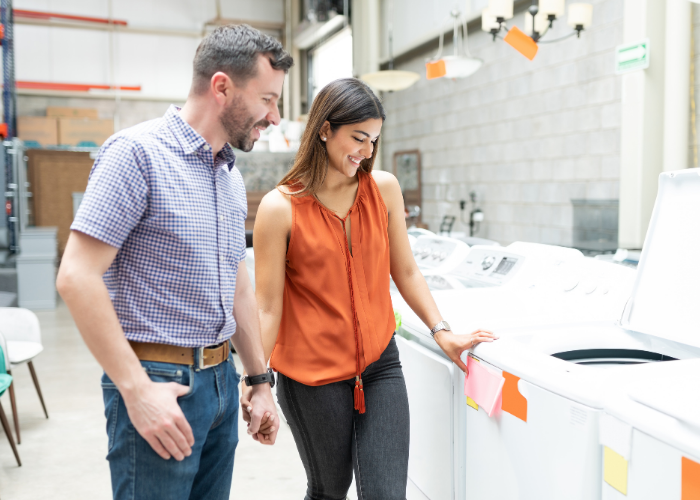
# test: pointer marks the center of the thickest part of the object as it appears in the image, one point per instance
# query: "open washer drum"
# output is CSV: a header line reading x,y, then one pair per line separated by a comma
x,y
544,442
494,288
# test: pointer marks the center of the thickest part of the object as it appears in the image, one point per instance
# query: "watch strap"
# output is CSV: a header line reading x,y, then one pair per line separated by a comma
x,y
267,377
442,325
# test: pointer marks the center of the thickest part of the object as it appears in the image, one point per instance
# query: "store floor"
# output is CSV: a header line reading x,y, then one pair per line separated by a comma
x,y
64,457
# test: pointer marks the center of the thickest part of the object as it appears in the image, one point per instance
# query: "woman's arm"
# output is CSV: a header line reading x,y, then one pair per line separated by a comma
x,y
410,281
273,224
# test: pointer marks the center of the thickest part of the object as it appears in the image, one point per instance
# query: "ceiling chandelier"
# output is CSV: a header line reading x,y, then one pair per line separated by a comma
x,y
539,19
390,80
459,65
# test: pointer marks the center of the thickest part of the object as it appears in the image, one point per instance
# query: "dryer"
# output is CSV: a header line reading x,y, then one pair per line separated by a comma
x,y
544,442
650,434
494,287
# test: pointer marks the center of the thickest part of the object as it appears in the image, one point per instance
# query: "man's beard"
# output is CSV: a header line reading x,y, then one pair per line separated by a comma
x,y
238,125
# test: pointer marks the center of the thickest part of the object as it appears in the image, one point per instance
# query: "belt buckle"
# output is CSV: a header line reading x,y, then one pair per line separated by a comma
x,y
200,360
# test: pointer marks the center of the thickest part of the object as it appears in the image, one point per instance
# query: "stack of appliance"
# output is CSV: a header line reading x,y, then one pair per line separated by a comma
x,y
559,380
493,288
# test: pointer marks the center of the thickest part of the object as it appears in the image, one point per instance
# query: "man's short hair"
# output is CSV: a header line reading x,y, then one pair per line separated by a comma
x,y
234,50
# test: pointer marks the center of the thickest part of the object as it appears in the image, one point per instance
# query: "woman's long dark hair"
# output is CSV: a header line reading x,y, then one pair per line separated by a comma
x,y
341,102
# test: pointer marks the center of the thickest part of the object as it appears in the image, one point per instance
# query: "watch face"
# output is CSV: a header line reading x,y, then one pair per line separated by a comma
x,y
447,325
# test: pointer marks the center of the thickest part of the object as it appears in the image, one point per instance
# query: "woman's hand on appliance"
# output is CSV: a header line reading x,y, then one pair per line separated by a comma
x,y
454,345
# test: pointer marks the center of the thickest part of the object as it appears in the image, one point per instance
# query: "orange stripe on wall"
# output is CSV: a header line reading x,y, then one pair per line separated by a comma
x,y
35,14
74,87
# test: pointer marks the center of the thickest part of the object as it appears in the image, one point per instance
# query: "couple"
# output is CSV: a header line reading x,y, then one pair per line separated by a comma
x,y
153,275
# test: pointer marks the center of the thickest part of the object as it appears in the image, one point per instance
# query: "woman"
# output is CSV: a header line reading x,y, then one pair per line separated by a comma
x,y
326,242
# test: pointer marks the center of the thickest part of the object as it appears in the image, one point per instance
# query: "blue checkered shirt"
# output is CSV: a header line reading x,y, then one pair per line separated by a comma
x,y
177,216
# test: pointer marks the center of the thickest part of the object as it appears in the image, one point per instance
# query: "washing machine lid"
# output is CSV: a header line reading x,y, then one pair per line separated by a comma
x,y
661,400
674,392
665,298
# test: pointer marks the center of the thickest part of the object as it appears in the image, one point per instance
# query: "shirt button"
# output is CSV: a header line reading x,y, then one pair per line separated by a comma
x,y
221,217
223,259
207,147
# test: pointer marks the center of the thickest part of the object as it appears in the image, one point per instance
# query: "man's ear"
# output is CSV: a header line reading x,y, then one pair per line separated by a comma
x,y
221,86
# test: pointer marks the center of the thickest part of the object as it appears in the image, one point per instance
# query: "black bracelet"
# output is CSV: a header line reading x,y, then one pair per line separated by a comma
x,y
268,376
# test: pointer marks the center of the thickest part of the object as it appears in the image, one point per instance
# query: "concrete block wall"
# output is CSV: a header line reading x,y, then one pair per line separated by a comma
x,y
527,137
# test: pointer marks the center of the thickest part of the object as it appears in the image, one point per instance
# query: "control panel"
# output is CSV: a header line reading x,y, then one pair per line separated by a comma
x,y
439,253
488,266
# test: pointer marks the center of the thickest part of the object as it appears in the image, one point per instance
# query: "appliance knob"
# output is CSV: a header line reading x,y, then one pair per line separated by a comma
x,y
487,262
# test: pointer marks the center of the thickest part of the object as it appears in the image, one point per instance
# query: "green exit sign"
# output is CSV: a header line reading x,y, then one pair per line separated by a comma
x,y
632,57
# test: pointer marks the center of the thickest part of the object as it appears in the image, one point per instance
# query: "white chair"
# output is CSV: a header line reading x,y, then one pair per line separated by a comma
x,y
6,383
22,332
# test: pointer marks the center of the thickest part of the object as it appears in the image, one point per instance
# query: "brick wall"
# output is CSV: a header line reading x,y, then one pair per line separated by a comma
x,y
527,137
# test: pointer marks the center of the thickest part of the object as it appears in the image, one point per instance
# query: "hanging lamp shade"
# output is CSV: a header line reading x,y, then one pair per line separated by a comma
x,y
501,8
489,22
459,65
453,67
580,14
390,80
553,7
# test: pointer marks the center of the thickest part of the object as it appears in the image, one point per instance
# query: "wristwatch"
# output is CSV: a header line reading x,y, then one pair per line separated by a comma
x,y
268,376
443,325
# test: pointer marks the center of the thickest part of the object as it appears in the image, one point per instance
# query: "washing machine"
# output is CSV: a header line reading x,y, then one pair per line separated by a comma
x,y
650,434
493,288
438,254
543,443
419,231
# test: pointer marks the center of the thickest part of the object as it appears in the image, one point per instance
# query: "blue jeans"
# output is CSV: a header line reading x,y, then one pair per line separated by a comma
x,y
211,408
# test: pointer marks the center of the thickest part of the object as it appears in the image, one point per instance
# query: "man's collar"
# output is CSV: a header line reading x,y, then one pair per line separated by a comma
x,y
191,140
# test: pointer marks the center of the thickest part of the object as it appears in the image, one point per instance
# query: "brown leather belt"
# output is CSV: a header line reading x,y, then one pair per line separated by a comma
x,y
204,357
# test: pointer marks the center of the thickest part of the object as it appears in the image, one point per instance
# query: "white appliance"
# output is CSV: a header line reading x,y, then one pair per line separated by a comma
x,y
438,254
560,375
524,283
419,231
651,429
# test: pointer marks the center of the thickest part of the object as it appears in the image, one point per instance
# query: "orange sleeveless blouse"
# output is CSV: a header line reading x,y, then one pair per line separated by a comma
x,y
337,315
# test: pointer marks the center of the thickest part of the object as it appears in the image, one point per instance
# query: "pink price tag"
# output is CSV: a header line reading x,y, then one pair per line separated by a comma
x,y
484,385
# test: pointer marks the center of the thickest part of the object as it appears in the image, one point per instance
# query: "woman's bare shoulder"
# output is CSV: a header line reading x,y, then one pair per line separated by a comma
x,y
275,206
387,183
384,178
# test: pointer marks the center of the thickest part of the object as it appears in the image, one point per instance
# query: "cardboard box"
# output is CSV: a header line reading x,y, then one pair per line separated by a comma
x,y
63,112
84,131
38,129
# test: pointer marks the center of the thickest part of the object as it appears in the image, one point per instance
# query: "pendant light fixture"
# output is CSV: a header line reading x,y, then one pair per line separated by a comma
x,y
539,19
459,65
390,80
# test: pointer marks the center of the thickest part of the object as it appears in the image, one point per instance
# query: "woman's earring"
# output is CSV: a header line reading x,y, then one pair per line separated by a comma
x,y
323,138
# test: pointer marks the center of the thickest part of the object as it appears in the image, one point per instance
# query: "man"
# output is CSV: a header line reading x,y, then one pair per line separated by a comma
x,y
153,276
